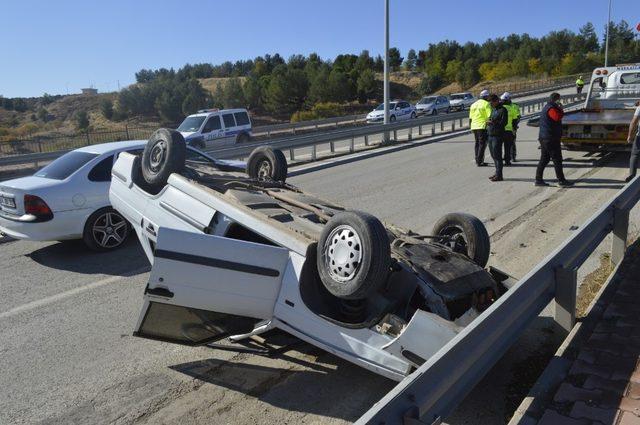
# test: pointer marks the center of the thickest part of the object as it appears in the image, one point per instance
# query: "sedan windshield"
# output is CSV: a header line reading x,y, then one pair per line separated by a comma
x,y
457,96
191,123
392,105
426,100
66,165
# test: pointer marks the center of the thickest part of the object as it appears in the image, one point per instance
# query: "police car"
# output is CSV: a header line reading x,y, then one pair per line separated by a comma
x,y
210,127
398,110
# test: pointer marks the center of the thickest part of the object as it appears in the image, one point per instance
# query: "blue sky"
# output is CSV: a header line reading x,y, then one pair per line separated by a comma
x,y
63,45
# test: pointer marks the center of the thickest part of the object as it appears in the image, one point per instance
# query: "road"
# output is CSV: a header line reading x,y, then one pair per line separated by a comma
x,y
66,315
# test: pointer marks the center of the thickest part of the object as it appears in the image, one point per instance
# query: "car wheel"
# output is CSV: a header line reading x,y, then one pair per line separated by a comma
x,y
413,115
243,138
464,234
449,110
354,255
105,230
392,118
266,163
163,155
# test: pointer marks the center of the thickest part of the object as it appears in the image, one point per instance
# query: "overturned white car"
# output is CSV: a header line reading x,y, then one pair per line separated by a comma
x,y
236,252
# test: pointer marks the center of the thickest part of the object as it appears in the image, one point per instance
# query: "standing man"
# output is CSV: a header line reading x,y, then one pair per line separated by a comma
x,y
495,132
549,138
634,137
579,84
510,129
479,113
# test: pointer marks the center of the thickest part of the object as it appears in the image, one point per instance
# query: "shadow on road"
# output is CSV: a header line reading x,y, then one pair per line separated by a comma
x,y
74,256
325,385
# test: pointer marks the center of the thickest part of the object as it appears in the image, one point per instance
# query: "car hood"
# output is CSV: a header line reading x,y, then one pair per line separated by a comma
x,y
186,134
375,113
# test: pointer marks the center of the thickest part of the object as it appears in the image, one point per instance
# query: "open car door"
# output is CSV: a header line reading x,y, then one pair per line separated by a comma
x,y
203,288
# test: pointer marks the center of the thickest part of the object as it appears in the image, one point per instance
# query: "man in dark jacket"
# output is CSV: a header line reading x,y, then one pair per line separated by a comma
x,y
549,138
495,132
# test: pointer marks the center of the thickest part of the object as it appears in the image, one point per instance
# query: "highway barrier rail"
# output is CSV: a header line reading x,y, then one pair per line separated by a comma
x,y
432,391
63,143
308,146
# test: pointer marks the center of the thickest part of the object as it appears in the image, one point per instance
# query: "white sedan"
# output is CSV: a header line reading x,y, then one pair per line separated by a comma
x,y
68,199
398,110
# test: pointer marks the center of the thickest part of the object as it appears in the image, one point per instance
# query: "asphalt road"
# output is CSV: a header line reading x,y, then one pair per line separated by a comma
x,y
66,315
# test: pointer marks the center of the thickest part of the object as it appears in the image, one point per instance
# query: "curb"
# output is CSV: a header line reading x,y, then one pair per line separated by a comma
x,y
541,394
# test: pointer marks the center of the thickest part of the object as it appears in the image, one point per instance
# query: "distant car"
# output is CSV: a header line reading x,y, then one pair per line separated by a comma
x,y
69,198
398,110
215,126
432,105
461,101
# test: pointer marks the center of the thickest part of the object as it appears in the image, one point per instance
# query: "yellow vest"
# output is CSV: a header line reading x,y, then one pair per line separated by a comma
x,y
514,113
479,114
579,82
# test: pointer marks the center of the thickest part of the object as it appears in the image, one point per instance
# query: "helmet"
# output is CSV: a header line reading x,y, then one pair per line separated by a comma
x,y
484,93
505,96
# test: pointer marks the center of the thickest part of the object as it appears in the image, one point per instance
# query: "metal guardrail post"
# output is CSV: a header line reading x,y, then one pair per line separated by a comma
x,y
453,125
420,130
441,125
433,129
395,135
292,155
314,153
352,145
366,140
565,297
619,236
332,147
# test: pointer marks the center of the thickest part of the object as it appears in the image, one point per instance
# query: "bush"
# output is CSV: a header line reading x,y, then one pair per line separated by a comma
x,y
319,111
430,84
82,120
303,116
106,107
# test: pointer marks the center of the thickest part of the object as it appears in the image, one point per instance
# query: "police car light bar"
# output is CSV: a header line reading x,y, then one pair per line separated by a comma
x,y
202,111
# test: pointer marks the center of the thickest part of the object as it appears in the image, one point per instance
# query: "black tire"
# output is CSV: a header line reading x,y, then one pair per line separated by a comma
x,y
469,235
435,111
243,138
413,115
392,118
362,265
266,163
113,233
163,155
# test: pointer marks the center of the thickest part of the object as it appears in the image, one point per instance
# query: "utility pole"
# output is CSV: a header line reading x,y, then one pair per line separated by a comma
x,y
386,67
606,43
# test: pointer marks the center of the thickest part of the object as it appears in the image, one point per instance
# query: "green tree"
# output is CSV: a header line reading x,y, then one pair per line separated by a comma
x,y
252,91
82,120
47,99
287,90
43,114
395,60
430,84
233,94
195,98
106,107
319,87
20,105
410,61
339,86
367,86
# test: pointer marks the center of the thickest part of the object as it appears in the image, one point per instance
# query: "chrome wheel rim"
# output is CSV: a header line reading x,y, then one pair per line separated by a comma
x,y
156,158
343,253
109,230
264,170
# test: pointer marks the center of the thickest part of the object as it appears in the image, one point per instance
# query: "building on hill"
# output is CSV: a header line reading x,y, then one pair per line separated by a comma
x,y
89,91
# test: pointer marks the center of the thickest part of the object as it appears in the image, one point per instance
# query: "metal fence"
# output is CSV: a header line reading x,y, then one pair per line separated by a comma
x,y
432,392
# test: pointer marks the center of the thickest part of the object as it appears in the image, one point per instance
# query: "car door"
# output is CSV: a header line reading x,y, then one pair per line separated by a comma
x,y
230,129
203,287
212,130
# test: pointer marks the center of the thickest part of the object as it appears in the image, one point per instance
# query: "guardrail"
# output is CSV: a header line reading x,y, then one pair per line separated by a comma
x,y
366,136
64,143
357,137
432,392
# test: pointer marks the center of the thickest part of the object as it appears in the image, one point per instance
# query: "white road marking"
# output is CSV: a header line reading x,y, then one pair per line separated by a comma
x,y
70,293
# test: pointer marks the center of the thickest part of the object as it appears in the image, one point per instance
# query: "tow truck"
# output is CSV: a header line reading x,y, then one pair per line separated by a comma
x,y
602,124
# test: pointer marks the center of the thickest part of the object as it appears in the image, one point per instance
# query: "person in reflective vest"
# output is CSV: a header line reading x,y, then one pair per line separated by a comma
x,y
579,84
479,114
510,129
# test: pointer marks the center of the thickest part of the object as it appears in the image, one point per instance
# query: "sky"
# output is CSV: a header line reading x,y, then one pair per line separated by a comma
x,y
61,46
